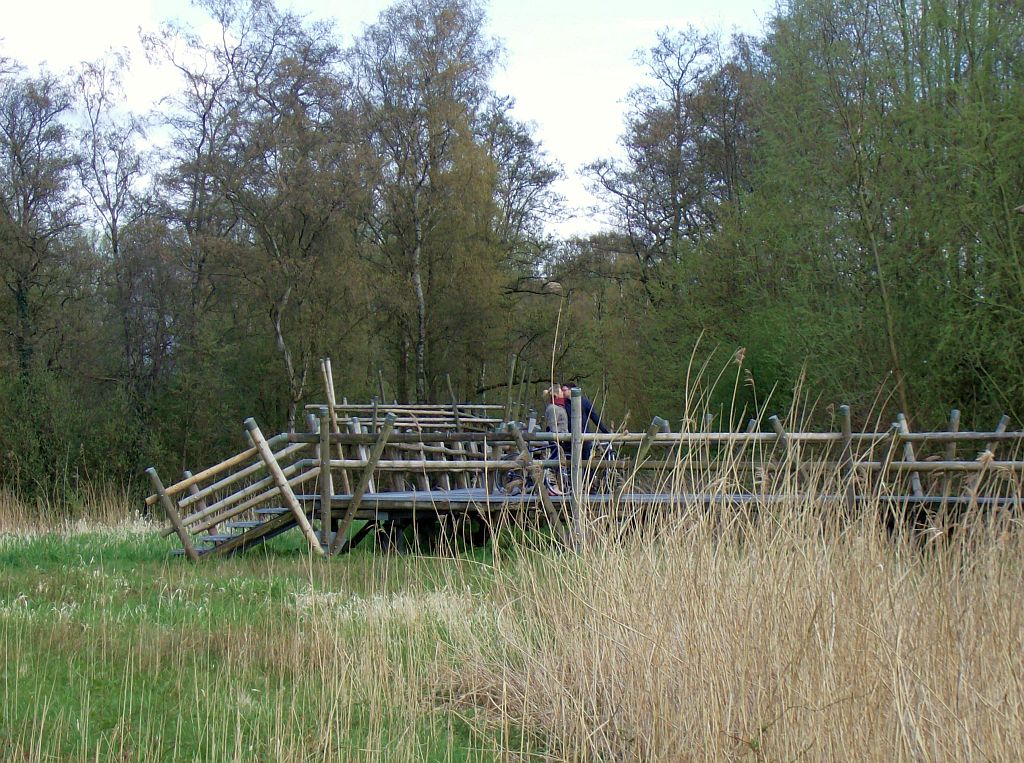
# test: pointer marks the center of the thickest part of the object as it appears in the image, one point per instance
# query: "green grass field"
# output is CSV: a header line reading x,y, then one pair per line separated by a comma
x,y
112,650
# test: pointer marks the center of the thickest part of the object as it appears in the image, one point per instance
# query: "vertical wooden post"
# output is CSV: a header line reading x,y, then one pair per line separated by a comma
x,y
193,490
356,427
172,514
521,402
737,457
890,454
380,383
454,401
328,375
365,480
508,388
1004,421
537,474
908,455
954,426
783,441
325,479
576,467
461,478
282,485
657,425
974,480
846,462
780,431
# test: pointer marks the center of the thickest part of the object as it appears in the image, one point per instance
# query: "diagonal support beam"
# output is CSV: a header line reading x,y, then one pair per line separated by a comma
x,y
658,424
364,482
282,484
172,515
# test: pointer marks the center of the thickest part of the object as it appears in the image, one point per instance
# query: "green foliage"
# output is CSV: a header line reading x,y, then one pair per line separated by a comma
x,y
840,198
112,651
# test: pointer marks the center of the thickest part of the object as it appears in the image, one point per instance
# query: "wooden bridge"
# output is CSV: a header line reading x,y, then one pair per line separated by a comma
x,y
421,473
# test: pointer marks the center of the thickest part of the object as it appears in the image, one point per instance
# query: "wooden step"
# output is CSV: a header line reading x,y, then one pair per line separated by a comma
x,y
215,538
272,512
181,551
244,524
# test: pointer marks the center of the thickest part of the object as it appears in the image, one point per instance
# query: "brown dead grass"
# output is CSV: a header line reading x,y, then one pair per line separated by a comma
x,y
778,638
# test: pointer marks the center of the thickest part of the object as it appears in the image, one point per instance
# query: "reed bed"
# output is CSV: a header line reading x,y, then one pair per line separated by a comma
x,y
778,638
782,630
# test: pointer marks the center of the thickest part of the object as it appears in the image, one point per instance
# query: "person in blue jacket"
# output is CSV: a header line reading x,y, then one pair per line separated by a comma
x,y
590,415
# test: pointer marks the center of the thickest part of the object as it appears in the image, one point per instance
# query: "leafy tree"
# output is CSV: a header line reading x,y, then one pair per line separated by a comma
x,y
420,77
41,268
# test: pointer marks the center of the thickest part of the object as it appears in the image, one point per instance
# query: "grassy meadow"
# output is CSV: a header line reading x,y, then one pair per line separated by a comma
x,y
768,637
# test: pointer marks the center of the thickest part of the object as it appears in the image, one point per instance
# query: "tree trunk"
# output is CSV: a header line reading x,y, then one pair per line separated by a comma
x,y
402,383
23,332
294,386
421,314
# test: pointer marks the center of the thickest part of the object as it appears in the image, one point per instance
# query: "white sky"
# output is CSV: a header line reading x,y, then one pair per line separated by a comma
x,y
568,63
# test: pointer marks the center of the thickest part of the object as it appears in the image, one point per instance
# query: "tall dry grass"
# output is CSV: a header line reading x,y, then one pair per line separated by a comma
x,y
785,629
96,506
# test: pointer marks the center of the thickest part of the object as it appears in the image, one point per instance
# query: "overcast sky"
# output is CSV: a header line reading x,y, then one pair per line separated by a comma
x,y
568,63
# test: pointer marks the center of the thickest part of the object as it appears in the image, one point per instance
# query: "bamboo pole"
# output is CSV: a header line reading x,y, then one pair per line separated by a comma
x,y
282,484
172,515
365,480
